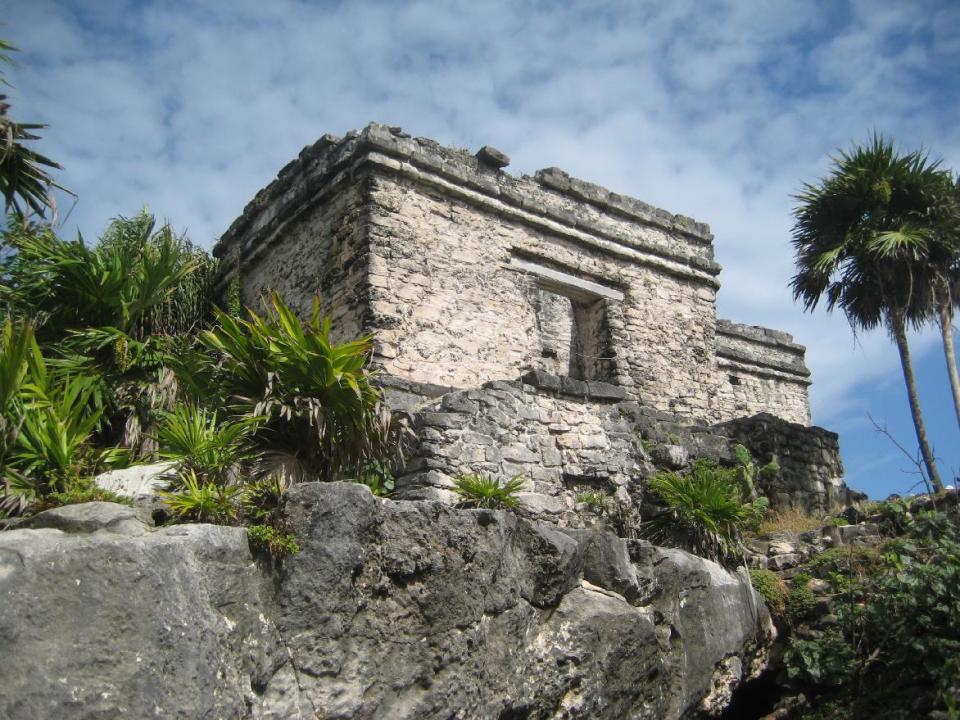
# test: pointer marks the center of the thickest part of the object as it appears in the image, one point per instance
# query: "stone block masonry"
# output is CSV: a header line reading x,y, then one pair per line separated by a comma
x,y
466,274
569,437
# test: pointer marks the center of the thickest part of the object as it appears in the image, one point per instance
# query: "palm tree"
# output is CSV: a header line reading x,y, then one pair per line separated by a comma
x,y
864,240
947,287
929,241
25,182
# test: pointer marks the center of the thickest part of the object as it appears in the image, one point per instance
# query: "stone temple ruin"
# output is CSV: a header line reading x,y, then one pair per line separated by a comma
x,y
539,326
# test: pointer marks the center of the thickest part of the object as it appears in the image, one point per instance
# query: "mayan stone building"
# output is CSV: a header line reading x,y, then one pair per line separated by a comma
x,y
468,276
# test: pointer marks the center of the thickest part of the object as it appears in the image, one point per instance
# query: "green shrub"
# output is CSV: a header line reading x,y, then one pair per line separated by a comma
x,y
598,502
703,513
198,501
199,442
826,661
894,516
756,511
771,588
268,538
897,646
484,492
800,603
322,418
82,491
910,608
139,280
377,476
109,313
262,500
747,471
852,560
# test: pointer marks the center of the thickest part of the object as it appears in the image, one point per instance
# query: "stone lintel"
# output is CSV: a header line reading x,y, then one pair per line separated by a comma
x,y
566,283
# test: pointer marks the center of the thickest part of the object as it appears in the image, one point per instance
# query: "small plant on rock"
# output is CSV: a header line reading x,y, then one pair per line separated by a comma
x,y
199,501
800,601
598,502
270,539
747,471
377,475
484,492
198,441
772,589
703,512
756,511
80,491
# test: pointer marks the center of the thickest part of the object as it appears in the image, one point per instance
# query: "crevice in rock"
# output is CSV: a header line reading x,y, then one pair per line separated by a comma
x,y
754,699
520,712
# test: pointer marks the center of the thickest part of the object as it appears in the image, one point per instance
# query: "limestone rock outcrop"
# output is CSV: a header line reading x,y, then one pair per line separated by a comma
x,y
391,610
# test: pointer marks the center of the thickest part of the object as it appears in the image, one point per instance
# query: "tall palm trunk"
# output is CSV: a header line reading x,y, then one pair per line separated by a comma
x,y
899,330
945,311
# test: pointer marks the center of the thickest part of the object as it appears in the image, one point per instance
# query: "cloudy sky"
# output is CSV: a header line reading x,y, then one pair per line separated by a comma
x,y
717,110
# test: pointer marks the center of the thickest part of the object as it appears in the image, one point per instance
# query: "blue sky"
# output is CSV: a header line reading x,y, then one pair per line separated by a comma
x,y
717,110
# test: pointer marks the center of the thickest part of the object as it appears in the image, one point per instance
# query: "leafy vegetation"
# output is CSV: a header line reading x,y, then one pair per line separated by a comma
x,y
747,471
598,502
210,449
197,501
321,416
377,475
113,313
82,491
485,492
826,661
772,589
800,601
896,649
269,539
704,510
25,182
116,352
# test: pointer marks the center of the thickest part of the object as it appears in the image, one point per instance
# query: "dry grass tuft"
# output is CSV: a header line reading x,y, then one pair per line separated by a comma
x,y
790,519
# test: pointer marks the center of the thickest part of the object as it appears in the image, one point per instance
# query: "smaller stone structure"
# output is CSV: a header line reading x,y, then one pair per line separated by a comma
x,y
811,471
571,437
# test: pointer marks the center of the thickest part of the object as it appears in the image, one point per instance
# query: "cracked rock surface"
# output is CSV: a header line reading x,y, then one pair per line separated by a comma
x,y
391,610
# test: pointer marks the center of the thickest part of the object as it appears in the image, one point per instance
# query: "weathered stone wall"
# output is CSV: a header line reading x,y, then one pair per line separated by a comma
x,y
568,437
760,370
811,471
454,309
323,255
564,436
476,275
